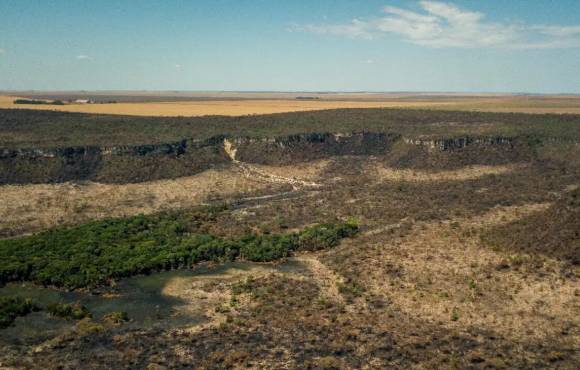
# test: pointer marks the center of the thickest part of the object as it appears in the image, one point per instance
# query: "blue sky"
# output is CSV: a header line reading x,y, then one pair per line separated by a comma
x,y
323,45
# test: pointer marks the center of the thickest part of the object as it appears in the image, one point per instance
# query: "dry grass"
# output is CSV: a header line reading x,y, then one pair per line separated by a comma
x,y
523,104
217,107
28,208
463,174
246,104
34,207
204,294
448,276
309,171
326,279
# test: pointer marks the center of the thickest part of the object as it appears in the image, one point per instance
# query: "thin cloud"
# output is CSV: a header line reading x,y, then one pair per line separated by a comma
x,y
2,51
84,57
445,25
355,29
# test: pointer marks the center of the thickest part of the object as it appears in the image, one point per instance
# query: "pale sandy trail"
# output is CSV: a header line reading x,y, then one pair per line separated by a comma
x,y
255,172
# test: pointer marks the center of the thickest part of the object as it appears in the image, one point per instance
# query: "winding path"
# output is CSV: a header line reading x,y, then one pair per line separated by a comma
x,y
253,172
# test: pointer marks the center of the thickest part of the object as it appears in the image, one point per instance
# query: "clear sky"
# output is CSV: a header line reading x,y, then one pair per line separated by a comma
x,y
298,45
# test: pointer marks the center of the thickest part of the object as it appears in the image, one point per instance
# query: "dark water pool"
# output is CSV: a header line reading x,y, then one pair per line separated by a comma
x,y
142,297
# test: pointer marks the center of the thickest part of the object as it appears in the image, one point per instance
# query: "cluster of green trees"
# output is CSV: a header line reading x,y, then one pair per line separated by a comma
x,y
34,101
12,307
95,253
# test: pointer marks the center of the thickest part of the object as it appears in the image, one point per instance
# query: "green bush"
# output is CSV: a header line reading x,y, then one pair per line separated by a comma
x,y
29,101
117,317
74,311
326,236
268,247
12,307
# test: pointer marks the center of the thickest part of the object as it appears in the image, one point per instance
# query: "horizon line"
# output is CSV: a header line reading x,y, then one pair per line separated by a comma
x,y
84,91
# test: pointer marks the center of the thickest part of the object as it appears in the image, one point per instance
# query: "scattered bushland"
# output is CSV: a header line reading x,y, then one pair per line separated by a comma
x,y
20,128
554,232
46,147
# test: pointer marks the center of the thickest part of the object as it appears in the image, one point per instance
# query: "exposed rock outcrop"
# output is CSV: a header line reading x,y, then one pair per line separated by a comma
x,y
311,146
460,142
111,164
135,163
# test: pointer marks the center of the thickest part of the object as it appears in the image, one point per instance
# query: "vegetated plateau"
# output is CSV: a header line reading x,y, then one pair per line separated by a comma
x,y
363,238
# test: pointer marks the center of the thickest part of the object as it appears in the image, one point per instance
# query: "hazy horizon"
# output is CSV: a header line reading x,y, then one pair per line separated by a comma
x,y
410,92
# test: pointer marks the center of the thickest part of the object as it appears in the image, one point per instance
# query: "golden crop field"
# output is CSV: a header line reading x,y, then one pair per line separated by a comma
x,y
240,105
520,104
213,107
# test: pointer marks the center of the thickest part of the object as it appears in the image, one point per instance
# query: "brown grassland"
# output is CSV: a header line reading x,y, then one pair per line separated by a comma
x,y
209,108
241,104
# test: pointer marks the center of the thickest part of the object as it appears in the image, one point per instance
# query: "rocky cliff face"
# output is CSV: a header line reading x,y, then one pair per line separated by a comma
x,y
460,142
189,156
176,148
304,147
111,164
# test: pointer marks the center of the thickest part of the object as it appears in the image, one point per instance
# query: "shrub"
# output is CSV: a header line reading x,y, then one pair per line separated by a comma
x,y
74,311
454,314
351,290
12,307
116,317
326,236
88,326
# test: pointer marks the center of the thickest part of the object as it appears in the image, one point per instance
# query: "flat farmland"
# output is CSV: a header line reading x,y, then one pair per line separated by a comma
x,y
240,104
214,107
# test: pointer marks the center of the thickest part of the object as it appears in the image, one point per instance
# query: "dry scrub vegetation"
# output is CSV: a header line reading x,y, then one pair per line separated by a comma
x,y
467,258
449,276
29,208
465,173
34,207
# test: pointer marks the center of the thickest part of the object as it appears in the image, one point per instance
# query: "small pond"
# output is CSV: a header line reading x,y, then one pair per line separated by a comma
x,y
142,297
